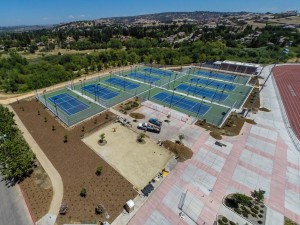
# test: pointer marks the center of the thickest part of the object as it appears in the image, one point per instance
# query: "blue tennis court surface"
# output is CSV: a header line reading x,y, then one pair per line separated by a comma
x,y
202,92
216,75
143,77
215,84
122,83
159,72
68,103
180,102
100,91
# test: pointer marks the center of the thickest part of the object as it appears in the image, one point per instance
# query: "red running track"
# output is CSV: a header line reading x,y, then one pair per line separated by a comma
x,y
288,82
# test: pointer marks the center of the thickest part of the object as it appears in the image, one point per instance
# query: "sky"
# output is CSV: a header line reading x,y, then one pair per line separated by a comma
x,y
41,12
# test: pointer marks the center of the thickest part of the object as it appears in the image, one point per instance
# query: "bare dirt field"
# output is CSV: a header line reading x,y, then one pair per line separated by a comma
x,y
138,163
77,164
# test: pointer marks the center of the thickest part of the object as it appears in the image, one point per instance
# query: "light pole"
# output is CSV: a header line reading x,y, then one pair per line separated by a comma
x,y
55,106
190,89
95,91
124,81
84,83
110,78
215,93
174,80
200,106
222,92
189,73
81,87
44,91
172,97
149,90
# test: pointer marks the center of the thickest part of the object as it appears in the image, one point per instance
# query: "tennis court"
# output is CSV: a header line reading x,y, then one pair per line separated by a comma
x,y
127,85
159,72
181,102
68,103
201,92
215,75
143,77
214,84
101,92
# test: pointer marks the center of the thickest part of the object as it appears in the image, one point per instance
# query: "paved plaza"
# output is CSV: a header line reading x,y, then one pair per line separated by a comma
x,y
262,156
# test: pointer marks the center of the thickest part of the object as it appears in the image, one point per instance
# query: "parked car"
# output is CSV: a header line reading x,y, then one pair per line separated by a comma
x,y
148,127
155,122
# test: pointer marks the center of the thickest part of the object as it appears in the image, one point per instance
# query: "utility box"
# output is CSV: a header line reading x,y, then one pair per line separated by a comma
x,y
129,206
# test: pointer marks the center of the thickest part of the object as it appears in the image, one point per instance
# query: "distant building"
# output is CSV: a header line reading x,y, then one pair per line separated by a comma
x,y
289,13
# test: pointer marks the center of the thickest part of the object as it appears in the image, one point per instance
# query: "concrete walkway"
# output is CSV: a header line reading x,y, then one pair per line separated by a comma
x,y
54,176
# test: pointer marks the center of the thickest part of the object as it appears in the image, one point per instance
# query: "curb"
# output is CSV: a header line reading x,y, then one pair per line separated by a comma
x,y
27,204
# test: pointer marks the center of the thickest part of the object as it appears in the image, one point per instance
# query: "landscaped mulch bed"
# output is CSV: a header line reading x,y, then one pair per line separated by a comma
x,y
77,164
231,127
38,192
180,150
137,116
253,99
129,106
255,212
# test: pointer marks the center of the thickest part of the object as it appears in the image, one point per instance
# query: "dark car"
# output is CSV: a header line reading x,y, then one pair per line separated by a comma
x,y
155,121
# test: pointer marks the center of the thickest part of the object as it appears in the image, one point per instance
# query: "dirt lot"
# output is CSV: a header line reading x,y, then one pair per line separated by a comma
x,y
77,163
138,163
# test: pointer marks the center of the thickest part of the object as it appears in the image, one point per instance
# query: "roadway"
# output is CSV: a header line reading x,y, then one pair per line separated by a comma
x,y
13,209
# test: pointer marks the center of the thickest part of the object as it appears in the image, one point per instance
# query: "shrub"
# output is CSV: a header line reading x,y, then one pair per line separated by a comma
x,y
261,211
220,222
260,216
127,107
102,138
53,128
83,192
231,203
232,223
254,210
106,116
99,170
242,199
224,219
245,215
140,137
254,215
237,210
256,207
258,195
260,222
65,138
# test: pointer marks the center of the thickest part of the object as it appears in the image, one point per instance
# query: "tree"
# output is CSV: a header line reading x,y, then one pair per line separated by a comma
x,y
102,138
140,137
180,137
16,158
65,138
83,192
258,195
99,170
242,199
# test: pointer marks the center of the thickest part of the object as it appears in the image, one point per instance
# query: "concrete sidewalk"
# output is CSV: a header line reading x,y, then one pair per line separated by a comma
x,y
54,176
